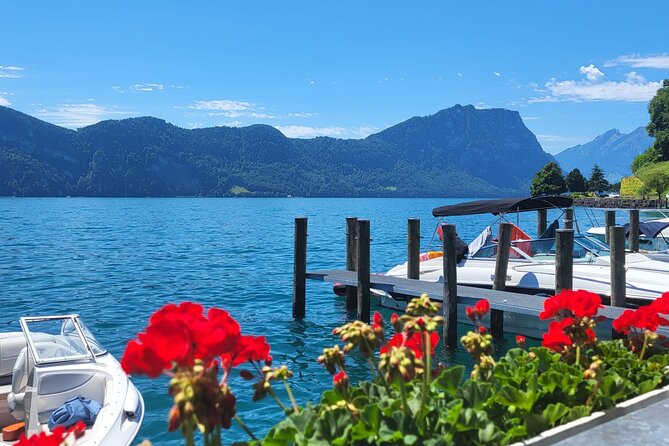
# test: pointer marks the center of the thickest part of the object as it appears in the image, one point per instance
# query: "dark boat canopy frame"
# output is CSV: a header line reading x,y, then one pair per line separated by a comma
x,y
503,206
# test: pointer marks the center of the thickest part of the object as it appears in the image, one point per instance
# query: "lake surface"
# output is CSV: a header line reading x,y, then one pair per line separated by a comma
x,y
116,261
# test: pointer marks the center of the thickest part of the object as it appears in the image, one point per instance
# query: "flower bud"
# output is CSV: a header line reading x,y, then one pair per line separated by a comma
x,y
520,341
340,381
246,375
173,419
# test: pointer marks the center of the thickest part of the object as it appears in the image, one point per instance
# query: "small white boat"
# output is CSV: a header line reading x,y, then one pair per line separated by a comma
x,y
54,359
653,234
531,267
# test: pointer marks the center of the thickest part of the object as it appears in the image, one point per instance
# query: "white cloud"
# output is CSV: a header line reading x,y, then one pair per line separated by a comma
x,y
231,124
497,73
178,86
605,91
3,100
659,61
635,88
79,115
194,125
530,118
592,73
222,105
301,115
118,89
301,131
146,87
10,71
634,77
459,74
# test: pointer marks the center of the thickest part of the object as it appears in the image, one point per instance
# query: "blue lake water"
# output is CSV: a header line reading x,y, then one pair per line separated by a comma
x,y
115,261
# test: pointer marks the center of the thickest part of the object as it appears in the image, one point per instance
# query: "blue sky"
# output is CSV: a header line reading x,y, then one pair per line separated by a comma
x,y
573,69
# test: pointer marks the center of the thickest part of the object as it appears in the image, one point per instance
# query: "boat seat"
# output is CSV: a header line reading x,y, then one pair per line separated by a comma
x,y
22,369
11,345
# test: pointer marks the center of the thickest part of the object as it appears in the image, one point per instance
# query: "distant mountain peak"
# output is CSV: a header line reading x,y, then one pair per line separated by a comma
x,y
613,151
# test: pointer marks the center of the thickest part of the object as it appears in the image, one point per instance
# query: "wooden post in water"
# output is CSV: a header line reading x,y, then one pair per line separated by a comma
x,y
362,264
413,262
568,220
449,306
634,230
351,253
610,221
300,268
564,260
618,283
499,281
542,221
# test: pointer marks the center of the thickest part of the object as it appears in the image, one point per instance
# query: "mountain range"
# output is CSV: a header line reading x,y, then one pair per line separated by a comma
x,y
457,152
612,151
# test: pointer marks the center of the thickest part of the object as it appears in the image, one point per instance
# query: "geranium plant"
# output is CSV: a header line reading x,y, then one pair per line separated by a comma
x,y
407,399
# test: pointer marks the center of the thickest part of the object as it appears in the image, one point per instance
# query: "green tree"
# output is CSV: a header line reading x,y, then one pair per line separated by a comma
x,y
658,108
548,181
597,182
575,181
657,182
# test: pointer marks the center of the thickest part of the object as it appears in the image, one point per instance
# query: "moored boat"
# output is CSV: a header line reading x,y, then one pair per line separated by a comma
x,y
55,359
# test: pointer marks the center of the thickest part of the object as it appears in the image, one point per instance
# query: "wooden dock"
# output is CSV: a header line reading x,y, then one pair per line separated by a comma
x,y
505,301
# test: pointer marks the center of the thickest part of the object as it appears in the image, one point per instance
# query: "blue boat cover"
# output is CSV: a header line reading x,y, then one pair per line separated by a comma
x,y
74,410
649,228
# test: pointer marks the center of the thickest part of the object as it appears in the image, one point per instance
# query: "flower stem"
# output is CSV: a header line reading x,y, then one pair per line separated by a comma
x,y
405,403
645,344
296,408
578,354
281,405
245,427
426,371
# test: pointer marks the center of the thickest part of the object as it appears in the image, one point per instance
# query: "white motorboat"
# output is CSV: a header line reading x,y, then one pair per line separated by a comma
x,y
54,359
531,267
653,234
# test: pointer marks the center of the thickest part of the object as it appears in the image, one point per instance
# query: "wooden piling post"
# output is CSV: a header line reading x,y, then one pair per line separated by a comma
x,y
351,254
413,262
362,263
300,268
564,260
618,283
499,281
610,221
449,306
568,220
634,230
542,221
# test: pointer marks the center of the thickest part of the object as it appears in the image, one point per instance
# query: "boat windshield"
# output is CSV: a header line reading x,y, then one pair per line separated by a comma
x,y
586,249
59,339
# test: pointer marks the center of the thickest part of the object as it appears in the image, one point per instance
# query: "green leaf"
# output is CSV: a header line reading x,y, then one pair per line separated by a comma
x,y
489,433
553,412
449,380
367,426
410,439
512,396
475,393
332,427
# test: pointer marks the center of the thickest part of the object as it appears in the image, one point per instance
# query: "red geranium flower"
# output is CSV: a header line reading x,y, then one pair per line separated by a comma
x,y
578,303
661,304
339,377
378,321
249,348
414,342
555,338
482,308
471,313
139,359
520,341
